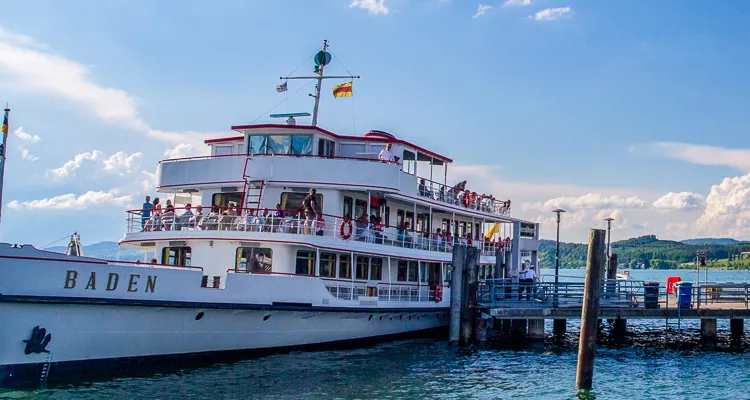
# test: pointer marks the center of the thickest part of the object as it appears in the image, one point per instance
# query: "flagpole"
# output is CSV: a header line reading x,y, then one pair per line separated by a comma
x,y
3,148
317,89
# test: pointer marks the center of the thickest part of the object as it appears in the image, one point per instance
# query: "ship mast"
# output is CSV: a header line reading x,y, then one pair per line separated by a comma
x,y
322,58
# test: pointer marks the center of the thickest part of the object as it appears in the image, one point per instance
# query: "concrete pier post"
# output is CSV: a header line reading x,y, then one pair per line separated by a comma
x,y
591,294
737,327
536,330
480,331
505,326
708,331
518,330
559,326
459,259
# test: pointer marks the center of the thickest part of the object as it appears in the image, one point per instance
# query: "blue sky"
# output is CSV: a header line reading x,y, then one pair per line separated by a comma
x,y
636,110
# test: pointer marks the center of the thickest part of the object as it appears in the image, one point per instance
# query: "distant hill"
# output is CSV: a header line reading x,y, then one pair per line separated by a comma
x,y
107,251
711,241
646,252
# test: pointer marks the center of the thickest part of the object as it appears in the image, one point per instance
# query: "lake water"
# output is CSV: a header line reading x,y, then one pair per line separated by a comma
x,y
649,365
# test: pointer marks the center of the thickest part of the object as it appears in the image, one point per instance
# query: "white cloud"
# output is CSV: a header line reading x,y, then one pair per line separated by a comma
x,y
728,208
699,154
517,3
68,169
41,71
121,163
19,39
26,137
552,14
372,6
482,9
594,201
26,155
148,185
183,150
680,201
71,201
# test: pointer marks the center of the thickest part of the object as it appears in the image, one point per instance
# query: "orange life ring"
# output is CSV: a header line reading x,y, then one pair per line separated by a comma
x,y
348,234
438,294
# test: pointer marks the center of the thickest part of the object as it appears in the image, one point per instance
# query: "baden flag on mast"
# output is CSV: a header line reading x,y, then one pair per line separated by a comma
x,y
342,90
5,122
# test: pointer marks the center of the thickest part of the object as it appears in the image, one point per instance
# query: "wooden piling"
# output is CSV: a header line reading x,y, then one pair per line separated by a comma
x,y
559,326
459,259
469,295
737,327
590,311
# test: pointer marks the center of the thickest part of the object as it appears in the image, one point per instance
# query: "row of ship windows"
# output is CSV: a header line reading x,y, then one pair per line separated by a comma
x,y
332,265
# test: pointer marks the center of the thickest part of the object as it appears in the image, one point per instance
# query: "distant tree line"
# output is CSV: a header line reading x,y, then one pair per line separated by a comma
x,y
644,252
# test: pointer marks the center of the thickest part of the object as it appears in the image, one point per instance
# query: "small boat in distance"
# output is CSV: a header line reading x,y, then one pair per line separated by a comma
x,y
623,276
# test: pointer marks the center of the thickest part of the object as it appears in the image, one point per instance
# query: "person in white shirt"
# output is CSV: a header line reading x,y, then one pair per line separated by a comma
x,y
525,281
386,155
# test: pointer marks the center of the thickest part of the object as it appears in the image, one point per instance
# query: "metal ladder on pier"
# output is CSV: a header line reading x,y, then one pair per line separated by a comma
x,y
678,323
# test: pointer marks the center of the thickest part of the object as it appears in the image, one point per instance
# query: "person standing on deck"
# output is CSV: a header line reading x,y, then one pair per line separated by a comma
x,y
386,155
146,212
310,205
524,283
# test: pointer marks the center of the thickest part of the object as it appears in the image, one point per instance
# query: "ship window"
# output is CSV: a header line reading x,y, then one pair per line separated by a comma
x,y
412,271
477,231
409,220
251,259
360,208
362,265
376,269
305,262
345,267
351,149
279,144
423,272
403,266
326,148
222,200
223,150
387,219
302,145
462,229
409,162
348,206
399,218
328,264
292,201
446,226
256,145
176,256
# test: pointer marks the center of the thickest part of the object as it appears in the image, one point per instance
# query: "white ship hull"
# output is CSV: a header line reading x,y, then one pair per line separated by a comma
x,y
93,327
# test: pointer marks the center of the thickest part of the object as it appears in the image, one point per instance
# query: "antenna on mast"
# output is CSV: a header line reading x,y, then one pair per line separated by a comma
x,y
322,58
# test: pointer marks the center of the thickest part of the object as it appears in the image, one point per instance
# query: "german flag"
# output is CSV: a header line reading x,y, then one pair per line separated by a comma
x,y
342,90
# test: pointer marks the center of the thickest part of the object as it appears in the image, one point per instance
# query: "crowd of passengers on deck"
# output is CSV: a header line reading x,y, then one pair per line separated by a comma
x,y
460,196
309,220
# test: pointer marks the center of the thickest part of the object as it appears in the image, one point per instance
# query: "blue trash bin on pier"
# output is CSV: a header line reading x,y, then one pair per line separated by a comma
x,y
684,294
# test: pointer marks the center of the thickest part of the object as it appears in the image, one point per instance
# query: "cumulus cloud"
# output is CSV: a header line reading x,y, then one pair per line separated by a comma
x,y
680,201
727,209
517,3
19,39
26,155
698,154
552,14
26,137
121,163
376,7
71,201
68,169
183,150
481,10
587,201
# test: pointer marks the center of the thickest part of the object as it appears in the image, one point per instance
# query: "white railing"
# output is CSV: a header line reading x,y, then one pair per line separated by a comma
x,y
446,194
382,290
327,226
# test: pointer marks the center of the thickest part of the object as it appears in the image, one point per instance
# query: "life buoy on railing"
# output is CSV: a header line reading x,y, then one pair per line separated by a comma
x,y
345,229
438,294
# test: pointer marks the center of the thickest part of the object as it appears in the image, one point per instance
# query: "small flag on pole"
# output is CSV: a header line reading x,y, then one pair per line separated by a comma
x,y
5,122
342,90
281,88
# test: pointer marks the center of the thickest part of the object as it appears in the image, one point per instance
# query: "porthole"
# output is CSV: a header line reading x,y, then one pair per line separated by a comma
x,y
199,316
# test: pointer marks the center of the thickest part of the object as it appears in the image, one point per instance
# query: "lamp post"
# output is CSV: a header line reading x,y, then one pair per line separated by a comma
x,y
557,254
609,235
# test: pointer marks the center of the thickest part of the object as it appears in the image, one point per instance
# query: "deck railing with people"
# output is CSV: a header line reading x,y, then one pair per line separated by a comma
x,y
293,222
464,198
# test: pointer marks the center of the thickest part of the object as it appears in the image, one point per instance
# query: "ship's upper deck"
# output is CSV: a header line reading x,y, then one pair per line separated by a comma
x,y
309,156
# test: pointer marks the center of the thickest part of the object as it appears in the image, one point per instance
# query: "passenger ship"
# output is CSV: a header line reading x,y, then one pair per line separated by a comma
x,y
251,273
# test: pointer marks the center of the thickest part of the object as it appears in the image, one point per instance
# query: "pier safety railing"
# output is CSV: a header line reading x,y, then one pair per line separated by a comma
x,y
265,221
614,293
504,292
